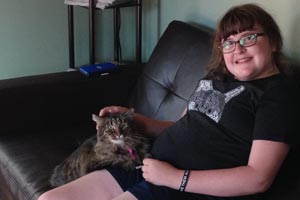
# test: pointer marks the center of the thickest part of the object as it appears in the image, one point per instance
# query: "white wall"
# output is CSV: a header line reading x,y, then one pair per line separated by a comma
x,y
208,12
34,37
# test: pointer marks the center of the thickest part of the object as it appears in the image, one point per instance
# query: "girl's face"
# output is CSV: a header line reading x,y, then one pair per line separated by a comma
x,y
252,62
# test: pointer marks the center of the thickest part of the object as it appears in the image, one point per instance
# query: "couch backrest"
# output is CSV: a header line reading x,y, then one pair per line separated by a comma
x,y
173,70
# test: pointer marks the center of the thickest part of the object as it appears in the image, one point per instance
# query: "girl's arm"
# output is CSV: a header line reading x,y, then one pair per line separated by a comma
x,y
264,162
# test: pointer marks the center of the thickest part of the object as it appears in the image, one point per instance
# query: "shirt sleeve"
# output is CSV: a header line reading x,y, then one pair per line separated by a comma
x,y
277,115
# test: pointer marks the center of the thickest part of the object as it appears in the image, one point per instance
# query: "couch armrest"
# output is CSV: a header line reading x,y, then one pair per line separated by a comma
x,y
60,99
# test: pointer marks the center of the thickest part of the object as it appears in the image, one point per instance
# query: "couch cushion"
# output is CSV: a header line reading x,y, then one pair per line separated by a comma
x,y
174,68
27,160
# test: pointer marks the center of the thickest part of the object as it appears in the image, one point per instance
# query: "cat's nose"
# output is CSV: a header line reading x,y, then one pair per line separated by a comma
x,y
119,136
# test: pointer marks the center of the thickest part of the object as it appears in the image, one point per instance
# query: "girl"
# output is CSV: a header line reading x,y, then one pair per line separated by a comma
x,y
237,130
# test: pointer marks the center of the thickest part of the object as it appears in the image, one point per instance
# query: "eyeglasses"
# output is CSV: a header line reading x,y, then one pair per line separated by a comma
x,y
228,46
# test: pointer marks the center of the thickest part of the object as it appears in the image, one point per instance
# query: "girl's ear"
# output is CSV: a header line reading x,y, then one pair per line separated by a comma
x,y
272,45
99,120
274,48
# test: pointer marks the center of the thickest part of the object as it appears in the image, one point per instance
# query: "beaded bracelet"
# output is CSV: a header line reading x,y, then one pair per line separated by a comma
x,y
184,180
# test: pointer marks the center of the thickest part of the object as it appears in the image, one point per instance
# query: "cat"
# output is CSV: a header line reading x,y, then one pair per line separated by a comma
x,y
117,143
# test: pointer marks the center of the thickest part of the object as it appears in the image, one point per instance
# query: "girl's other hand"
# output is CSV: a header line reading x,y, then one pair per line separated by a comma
x,y
161,173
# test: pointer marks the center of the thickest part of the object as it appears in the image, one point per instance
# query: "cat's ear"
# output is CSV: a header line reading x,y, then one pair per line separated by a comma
x,y
130,113
99,120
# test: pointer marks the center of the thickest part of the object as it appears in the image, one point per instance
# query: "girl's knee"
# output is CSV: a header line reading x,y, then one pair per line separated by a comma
x,y
48,196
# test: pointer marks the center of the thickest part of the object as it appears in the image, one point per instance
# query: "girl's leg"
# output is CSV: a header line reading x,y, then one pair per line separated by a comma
x,y
126,196
98,185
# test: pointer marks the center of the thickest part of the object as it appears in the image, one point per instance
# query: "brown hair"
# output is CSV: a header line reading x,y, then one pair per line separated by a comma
x,y
239,19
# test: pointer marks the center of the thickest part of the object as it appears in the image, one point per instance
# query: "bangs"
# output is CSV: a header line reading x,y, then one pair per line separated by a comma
x,y
236,22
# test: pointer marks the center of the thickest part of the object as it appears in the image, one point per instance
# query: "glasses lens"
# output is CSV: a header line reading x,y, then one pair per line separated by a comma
x,y
228,46
248,40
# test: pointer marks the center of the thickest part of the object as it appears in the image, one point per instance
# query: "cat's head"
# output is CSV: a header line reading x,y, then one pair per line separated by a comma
x,y
115,126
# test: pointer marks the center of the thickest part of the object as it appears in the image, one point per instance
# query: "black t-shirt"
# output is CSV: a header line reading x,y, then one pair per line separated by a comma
x,y
223,119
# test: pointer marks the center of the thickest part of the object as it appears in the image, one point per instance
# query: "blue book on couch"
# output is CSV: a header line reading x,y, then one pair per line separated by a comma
x,y
99,68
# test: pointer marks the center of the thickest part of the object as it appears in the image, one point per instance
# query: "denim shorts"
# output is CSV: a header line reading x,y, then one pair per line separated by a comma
x,y
133,182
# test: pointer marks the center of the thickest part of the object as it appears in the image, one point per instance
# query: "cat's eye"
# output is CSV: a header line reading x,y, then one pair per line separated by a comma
x,y
112,130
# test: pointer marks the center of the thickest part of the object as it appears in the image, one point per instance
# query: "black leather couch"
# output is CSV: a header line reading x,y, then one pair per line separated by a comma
x,y
44,118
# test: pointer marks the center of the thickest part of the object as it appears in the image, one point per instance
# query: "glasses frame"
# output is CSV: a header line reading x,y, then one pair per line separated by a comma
x,y
240,41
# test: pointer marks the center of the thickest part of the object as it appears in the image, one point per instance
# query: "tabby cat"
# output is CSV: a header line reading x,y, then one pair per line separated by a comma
x,y
117,143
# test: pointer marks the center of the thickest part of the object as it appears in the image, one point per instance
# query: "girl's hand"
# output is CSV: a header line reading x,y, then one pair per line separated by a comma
x,y
112,109
161,173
